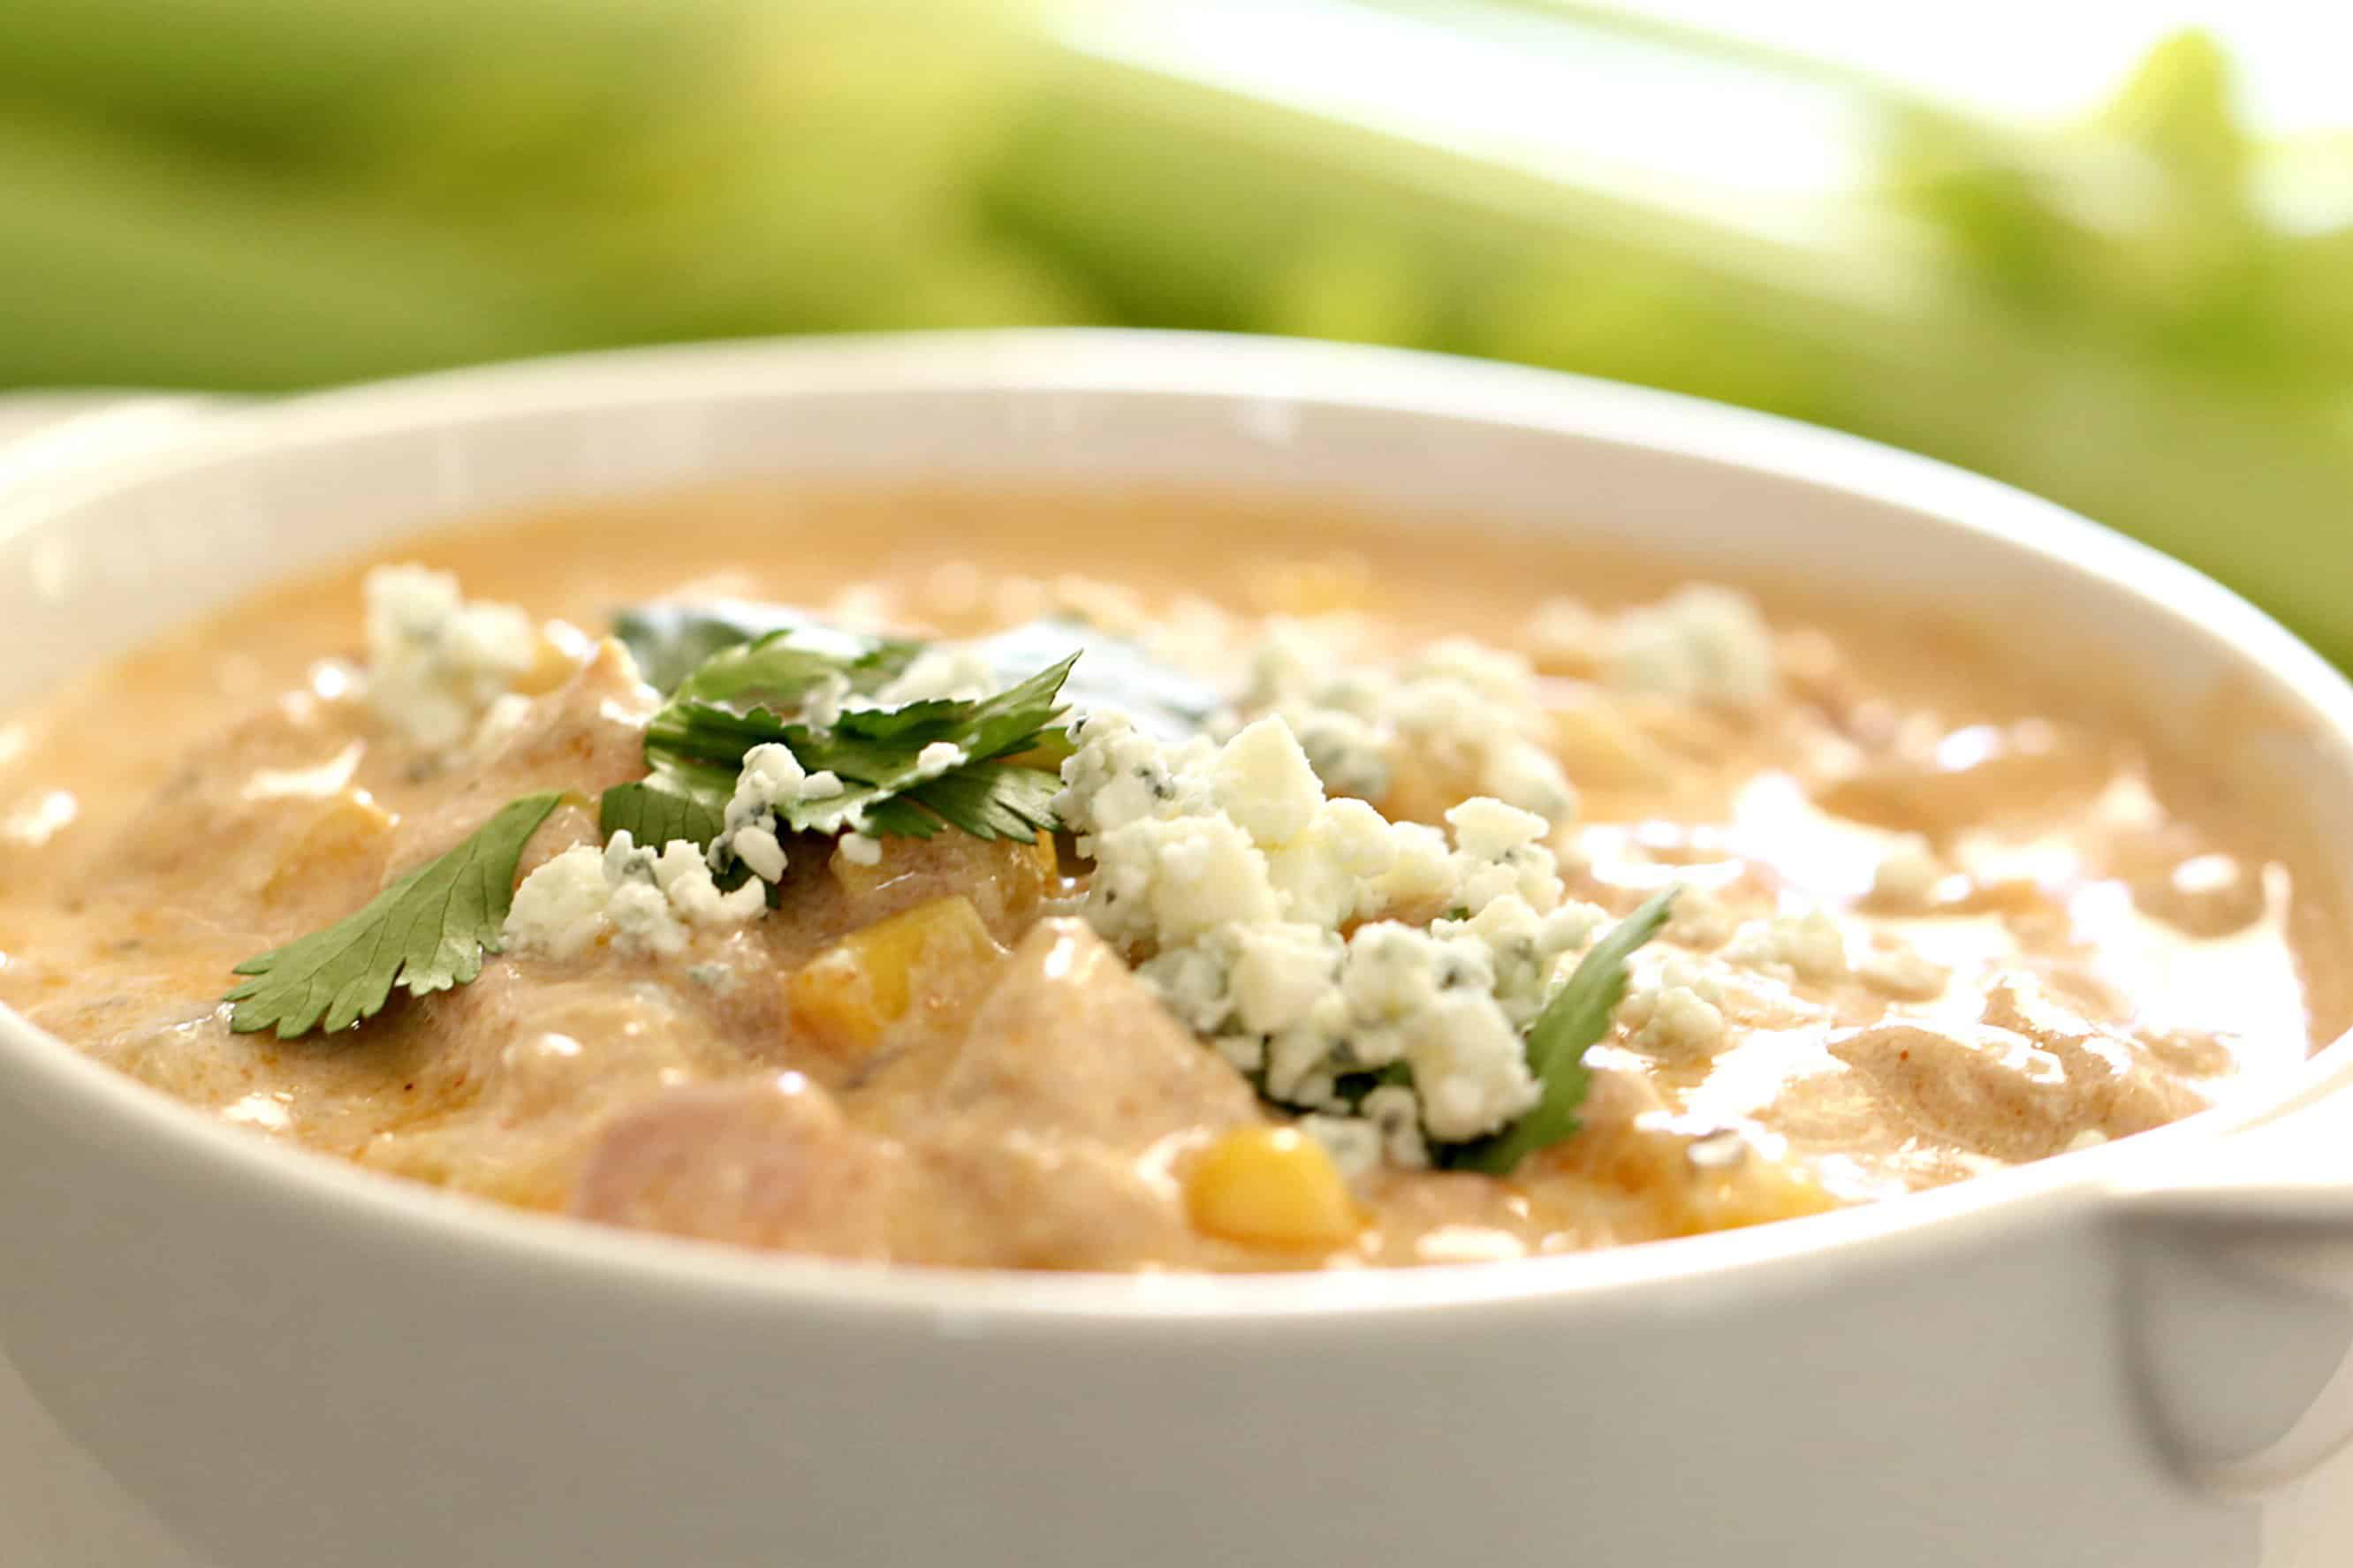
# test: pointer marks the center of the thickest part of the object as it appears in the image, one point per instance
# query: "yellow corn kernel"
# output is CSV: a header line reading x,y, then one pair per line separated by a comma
x,y
843,999
557,654
1272,1187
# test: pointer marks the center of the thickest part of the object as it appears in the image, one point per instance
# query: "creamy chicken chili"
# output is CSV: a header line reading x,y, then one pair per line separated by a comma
x,y
1357,897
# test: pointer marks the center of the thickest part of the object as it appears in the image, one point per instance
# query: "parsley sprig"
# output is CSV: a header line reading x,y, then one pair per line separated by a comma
x,y
425,932
1577,1017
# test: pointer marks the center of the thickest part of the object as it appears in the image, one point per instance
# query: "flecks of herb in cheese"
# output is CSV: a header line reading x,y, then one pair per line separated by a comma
x,y
1701,643
636,898
772,776
1470,711
1231,866
437,662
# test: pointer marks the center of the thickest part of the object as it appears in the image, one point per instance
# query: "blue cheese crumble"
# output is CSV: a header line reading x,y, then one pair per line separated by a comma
x,y
1457,705
437,662
631,896
1701,643
1236,874
750,832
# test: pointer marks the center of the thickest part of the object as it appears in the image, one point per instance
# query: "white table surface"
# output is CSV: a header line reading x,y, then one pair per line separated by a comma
x,y
45,1480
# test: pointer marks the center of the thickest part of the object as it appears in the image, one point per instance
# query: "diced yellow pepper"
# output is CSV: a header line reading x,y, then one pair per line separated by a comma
x,y
1271,1187
843,999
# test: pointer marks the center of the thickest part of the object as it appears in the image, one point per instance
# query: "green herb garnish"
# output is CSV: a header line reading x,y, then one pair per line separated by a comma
x,y
1577,1017
670,642
696,747
427,932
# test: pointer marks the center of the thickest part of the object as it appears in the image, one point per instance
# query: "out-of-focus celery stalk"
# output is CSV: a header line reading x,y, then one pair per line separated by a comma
x,y
121,264
1184,191
418,182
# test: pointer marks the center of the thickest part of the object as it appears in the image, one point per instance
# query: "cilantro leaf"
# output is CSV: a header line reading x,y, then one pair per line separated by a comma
x,y
1577,1017
782,668
670,642
673,804
427,932
695,746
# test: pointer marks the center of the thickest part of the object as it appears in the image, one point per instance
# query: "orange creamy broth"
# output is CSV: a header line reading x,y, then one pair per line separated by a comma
x,y
1860,1092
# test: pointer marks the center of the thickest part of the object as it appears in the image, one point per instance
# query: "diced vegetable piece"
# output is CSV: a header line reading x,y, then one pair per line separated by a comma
x,y
843,999
554,660
1004,879
1271,1187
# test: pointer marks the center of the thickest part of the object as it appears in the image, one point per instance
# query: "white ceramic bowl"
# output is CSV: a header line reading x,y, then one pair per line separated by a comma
x,y
251,1357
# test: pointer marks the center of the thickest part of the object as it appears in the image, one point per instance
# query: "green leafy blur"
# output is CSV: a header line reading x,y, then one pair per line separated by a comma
x,y
256,195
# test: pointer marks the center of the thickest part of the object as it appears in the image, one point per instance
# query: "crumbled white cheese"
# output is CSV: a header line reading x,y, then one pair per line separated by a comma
x,y
1524,949
1117,775
436,662
944,670
1476,708
1339,867
1701,643
822,704
1261,779
1500,849
1344,750
1809,947
1353,1144
758,848
1681,1016
1173,881
1701,920
1425,874
1229,864
639,899
750,830
940,757
1393,1108
1457,705
860,849
1907,874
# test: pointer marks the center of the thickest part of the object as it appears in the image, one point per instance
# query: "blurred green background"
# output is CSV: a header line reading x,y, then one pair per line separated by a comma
x,y
2125,291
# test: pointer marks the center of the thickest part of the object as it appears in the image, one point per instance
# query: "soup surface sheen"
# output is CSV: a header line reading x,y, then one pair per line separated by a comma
x,y
1940,912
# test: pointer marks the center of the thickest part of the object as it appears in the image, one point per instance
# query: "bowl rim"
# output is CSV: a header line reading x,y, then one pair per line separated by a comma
x,y
438,1223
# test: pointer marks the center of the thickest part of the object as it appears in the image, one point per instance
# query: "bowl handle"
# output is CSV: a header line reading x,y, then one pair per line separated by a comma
x,y
2238,1273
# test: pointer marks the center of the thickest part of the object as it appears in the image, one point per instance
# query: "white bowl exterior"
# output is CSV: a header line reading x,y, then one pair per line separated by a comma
x,y
284,1362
